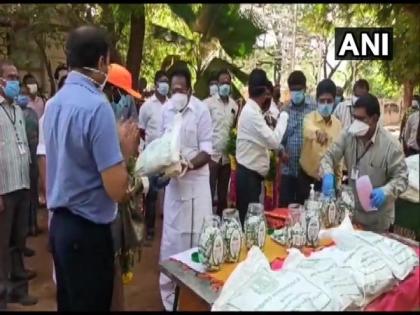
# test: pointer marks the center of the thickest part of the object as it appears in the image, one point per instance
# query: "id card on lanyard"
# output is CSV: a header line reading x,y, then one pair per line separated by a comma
x,y
12,119
355,170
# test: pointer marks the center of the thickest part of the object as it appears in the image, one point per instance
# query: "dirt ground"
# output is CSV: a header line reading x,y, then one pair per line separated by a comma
x,y
141,294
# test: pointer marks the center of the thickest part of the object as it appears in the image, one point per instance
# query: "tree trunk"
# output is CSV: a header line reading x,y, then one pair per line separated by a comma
x,y
135,43
408,93
47,63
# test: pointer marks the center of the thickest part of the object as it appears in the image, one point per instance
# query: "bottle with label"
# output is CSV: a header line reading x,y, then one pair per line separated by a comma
x,y
211,244
255,226
329,213
232,235
297,225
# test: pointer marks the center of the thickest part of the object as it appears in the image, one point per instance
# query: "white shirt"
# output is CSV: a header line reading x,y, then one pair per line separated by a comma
x,y
223,117
40,149
343,112
255,138
196,131
274,111
150,117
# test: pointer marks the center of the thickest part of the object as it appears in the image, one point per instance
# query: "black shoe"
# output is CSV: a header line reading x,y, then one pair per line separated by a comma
x,y
27,275
26,300
27,252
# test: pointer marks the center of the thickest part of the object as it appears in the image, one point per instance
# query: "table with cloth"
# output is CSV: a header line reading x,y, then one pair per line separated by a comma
x,y
197,291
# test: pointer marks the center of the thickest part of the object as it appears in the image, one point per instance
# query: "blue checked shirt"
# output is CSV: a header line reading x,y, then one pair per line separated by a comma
x,y
293,138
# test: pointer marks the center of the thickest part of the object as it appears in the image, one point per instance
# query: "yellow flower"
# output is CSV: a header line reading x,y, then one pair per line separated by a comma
x,y
235,131
127,277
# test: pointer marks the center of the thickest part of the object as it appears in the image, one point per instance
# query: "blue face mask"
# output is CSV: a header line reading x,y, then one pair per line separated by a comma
x,y
297,97
325,109
22,100
12,89
337,100
163,88
224,90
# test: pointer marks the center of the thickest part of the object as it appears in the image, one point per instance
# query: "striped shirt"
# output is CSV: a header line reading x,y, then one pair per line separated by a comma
x,y
293,138
14,166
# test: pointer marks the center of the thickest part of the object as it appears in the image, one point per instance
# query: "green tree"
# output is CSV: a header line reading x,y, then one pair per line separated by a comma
x,y
213,36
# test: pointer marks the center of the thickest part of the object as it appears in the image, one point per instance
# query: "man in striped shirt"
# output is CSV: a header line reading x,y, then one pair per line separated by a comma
x,y
14,186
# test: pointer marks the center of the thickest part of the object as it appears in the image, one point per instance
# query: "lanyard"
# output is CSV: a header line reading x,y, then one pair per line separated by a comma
x,y
363,154
12,120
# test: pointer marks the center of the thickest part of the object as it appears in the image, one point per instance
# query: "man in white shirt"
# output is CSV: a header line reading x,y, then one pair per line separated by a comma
x,y
254,140
344,110
150,118
187,198
223,111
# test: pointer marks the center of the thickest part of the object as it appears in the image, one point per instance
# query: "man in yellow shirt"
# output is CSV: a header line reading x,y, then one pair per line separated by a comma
x,y
320,130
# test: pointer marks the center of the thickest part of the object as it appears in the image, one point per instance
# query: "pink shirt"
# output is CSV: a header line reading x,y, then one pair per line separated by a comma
x,y
37,105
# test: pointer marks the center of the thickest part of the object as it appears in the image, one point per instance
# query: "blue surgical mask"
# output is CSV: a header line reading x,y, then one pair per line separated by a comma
x,y
22,100
297,97
337,100
325,110
224,90
163,88
12,89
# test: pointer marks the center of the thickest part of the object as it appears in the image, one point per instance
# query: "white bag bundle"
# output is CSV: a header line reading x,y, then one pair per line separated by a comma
x,y
163,152
253,286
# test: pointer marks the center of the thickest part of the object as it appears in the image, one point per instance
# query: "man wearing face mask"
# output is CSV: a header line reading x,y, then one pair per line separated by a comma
x,y
320,129
35,101
415,107
86,174
213,85
223,111
120,94
14,186
344,110
255,139
187,198
150,118
300,105
368,149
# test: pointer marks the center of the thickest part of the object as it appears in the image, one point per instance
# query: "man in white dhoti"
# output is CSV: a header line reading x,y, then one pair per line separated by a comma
x,y
187,198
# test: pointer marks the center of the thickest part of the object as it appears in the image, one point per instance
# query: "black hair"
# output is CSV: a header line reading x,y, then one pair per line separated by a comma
x,y
257,83
213,77
61,82
28,76
270,87
4,63
223,71
159,74
85,45
59,68
182,72
370,103
362,84
326,86
296,78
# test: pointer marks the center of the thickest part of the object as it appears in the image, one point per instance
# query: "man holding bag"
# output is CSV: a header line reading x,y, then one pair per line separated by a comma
x,y
187,198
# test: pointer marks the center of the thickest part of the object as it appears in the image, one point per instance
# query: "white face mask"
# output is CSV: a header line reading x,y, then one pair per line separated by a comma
x,y
213,89
102,85
33,88
354,99
180,100
358,128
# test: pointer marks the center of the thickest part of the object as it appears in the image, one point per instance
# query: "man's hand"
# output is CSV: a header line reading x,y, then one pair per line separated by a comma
x,y
129,138
321,137
377,198
2,205
284,157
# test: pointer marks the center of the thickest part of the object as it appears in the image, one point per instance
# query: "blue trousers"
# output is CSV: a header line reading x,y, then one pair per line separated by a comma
x,y
84,260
